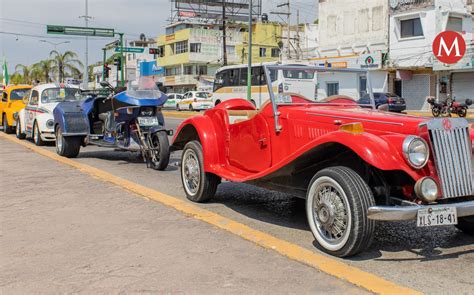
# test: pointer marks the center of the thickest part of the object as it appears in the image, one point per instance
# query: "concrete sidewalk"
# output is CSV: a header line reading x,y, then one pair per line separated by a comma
x,y
63,231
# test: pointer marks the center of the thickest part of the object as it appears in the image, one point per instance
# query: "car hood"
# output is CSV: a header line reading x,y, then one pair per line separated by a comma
x,y
372,120
49,106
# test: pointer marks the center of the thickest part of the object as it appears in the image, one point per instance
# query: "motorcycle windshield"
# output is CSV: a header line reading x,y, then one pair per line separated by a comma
x,y
147,94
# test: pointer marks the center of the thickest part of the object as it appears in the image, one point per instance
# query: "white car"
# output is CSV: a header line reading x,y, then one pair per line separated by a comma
x,y
36,119
195,101
173,99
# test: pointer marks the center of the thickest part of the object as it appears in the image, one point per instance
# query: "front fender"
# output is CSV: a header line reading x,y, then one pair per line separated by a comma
x,y
202,128
382,152
42,121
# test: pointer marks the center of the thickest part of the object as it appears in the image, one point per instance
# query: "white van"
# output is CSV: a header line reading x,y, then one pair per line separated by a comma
x,y
231,82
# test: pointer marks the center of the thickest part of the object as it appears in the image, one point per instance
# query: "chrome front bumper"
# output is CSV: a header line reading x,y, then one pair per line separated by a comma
x,y
397,213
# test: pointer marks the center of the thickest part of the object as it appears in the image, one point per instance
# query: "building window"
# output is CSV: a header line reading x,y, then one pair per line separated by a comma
x,y
363,20
275,52
454,24
181,47
331,25
411,28
161,51
362,86
230,50
377,18
188,70
263,52
332,88
195,47
201,70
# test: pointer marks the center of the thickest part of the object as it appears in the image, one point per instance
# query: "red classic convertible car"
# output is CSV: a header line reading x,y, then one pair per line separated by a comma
x,y
353,165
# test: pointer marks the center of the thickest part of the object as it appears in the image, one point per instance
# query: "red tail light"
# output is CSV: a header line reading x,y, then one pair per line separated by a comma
x,y
391,100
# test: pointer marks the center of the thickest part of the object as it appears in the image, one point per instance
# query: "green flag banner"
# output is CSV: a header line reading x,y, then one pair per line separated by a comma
x,y
6,78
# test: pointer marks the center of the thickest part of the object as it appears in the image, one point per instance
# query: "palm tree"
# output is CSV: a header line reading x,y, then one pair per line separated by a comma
x,y
65,64
44,68
25,72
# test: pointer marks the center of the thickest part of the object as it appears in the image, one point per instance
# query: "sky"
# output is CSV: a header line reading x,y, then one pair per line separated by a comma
x,y
23,24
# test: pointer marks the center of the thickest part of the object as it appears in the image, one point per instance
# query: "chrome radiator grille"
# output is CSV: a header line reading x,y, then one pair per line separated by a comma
x,y
452,151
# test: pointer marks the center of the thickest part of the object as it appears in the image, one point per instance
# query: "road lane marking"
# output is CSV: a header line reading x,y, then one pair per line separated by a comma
x,y
326,264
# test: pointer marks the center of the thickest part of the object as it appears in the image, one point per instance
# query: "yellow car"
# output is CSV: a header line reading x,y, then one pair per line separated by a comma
x,y
12,102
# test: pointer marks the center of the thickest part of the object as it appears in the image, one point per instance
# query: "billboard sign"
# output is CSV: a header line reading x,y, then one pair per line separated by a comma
x,y
212,9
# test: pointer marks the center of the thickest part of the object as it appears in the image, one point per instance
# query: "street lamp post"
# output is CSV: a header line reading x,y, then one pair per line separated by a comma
x,y
54,44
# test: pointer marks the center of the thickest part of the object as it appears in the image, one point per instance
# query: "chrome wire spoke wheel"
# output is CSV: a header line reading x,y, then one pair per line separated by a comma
x,y
191,171
155,149
330,216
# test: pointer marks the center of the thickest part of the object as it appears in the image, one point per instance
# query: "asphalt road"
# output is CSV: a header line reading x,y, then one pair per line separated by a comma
x,y
434,260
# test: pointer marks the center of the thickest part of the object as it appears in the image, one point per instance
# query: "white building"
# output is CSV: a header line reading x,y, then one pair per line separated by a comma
x,y
353,34
415,73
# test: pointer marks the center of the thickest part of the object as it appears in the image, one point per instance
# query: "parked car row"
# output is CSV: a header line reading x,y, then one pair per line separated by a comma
x,y
352,166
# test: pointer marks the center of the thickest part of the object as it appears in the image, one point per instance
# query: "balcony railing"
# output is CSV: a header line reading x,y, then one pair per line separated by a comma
x,y
404,5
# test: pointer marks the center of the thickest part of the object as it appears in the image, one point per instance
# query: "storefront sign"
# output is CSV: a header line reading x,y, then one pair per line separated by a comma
x,y
370,61
149,68
170,37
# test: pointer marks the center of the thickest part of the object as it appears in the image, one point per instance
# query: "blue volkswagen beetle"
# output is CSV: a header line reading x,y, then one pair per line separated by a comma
x,y
129,120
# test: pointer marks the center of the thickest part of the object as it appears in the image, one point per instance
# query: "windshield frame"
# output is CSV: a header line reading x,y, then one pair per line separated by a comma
x,y
315,69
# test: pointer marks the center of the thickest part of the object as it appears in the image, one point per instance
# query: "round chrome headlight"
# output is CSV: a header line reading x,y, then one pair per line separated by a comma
x,y
416,151
50,123
427,189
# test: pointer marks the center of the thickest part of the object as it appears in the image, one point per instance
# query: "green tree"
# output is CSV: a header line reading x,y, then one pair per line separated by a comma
x,y
45,69
65,64
23,74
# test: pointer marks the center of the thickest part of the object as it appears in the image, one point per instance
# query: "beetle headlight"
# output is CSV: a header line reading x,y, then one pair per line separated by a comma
x,y
416,151
50,123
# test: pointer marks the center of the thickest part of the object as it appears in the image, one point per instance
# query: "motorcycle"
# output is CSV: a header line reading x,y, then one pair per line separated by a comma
x,y
127,120
460,108
448,107
436,107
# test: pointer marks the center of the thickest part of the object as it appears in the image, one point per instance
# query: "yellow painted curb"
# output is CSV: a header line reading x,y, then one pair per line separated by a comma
x,y
323,263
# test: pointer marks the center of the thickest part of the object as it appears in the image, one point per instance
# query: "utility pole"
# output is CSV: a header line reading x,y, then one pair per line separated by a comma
x,y
86,66
299,54
288,15
103,63
249,59
224,37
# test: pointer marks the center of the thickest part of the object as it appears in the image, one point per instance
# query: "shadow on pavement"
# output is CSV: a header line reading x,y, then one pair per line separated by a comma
x,y
275,208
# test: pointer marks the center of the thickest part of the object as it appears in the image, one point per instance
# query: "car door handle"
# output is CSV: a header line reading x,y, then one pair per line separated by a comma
x,y
338,122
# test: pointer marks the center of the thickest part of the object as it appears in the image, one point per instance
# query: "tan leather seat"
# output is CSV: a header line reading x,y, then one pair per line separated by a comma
x,y
236,116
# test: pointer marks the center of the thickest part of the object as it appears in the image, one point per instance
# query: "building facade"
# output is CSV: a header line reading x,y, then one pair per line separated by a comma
x,y
192,52
353,34
415,73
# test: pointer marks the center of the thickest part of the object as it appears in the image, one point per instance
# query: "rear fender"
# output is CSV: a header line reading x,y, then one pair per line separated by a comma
x,y
202,128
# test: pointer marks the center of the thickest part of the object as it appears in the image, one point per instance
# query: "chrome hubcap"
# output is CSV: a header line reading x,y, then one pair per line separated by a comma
x,y
191,172
330,213
59,140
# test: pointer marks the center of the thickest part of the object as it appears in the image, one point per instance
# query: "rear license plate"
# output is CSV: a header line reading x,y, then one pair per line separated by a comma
x,y
147,121
437,216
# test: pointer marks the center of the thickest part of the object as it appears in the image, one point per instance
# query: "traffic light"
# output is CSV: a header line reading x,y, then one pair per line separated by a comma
x,y
106,71
118,62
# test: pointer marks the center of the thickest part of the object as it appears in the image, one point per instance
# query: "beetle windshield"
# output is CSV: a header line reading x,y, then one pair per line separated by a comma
x,y
58,94
302,84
